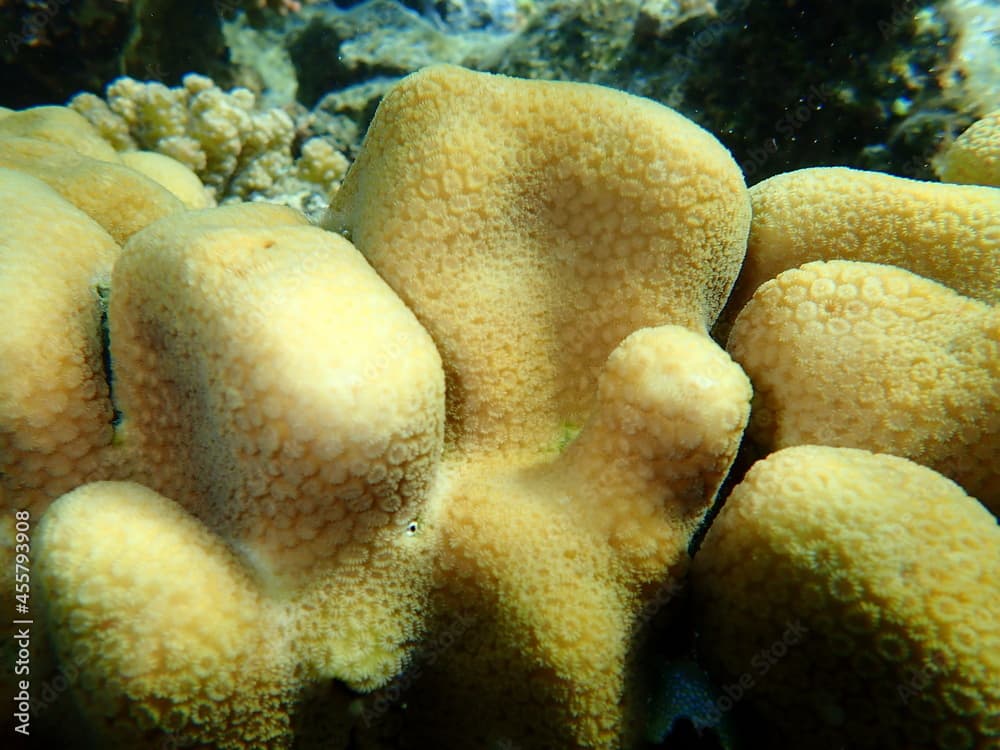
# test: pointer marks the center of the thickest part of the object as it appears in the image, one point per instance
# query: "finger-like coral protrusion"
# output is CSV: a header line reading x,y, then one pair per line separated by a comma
x,y
671,409
162,625
531,226
274,386
854,598
868,356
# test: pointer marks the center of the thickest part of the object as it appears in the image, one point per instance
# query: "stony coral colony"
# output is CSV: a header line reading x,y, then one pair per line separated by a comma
x,y
458,458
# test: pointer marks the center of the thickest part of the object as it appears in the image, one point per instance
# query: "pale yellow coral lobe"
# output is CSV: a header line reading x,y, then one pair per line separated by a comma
x,y
146,603
870,356
612,514
59,125
861,594
532,226
55,416
274,386
120,199
948,233
320,404
974,158
172,175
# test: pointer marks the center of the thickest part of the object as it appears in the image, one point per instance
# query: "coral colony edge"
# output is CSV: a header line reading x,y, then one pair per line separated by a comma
x,y
443,466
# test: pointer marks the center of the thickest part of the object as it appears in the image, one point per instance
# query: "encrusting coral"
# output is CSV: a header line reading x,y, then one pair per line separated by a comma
x,y
974,158
854,598
844,353
339,492
942,232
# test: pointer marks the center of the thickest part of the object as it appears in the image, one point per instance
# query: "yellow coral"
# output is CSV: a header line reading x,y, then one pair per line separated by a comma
x,y
59,125
943,232
567,259
974,158
564,215
854,599
871,356
55,417
123,567
532,227
290,337
305,459
120,199
172,175
548,562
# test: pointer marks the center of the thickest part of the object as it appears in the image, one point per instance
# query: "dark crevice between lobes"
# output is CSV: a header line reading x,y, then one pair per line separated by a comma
x,y
109,376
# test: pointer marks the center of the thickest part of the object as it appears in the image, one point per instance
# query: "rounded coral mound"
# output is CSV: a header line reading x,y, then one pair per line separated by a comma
x,y
942,232
974,158
855,598
117,566
869,356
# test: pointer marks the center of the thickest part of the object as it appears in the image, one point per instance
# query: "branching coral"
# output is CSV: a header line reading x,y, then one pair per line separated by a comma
x,y
338,489
239,150
854,597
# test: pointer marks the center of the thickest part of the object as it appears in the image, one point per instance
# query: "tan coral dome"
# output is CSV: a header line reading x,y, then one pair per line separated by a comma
x,y
518,477
859,594
947,233
974,158
870,356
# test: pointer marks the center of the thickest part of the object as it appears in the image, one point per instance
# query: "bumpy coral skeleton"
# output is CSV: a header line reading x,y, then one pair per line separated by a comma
x,y
974,157
889,575
330,501
942,232
474,456
871,356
